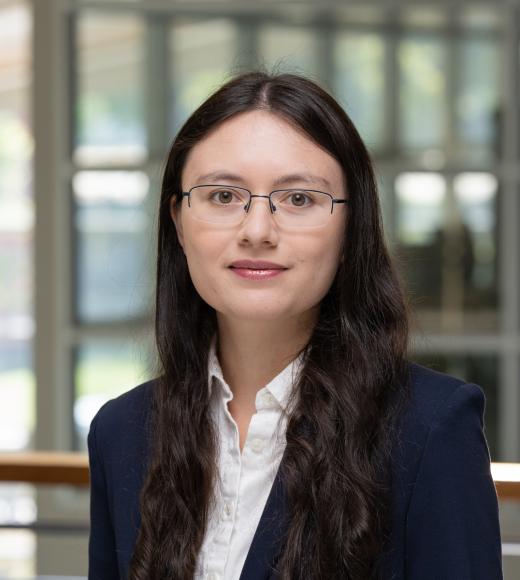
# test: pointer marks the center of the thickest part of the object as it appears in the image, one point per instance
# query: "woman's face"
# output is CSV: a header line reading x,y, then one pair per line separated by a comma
x,y
259,148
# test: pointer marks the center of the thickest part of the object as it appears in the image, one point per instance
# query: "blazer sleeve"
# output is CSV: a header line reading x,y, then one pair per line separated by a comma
x,y
452,526
102,552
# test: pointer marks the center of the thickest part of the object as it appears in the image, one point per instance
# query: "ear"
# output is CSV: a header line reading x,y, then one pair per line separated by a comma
x,y
175,213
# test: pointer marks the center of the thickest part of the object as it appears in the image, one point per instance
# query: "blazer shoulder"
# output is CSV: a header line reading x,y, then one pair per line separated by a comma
x,y
431,390
434,397
123,419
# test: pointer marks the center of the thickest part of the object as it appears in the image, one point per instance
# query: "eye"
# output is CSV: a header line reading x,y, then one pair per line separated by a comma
x,y
299,199
223,196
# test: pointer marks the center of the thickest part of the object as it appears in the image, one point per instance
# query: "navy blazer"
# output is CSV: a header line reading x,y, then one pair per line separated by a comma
x,y
444,503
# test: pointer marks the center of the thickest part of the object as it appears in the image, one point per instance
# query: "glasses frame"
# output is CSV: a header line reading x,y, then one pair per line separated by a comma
x,y
272,207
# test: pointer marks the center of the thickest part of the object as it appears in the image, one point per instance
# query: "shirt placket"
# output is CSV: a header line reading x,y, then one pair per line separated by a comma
x,y
231,472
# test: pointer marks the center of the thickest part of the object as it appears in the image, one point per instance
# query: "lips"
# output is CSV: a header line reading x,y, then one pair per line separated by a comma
x,y
256,265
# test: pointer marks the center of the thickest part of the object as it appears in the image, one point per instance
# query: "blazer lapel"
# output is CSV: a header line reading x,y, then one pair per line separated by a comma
x,y
271,529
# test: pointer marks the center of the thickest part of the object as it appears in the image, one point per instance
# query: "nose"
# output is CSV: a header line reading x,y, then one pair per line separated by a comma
x,y
258,225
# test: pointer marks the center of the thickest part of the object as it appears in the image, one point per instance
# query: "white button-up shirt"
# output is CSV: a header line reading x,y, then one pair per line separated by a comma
x,y
244,479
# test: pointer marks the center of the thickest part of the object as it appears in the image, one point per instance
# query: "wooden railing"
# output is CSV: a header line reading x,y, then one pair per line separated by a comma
x,y
507,480
45,467
72,469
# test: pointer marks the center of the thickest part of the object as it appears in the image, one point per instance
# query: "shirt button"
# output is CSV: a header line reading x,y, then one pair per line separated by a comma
x,y
212,576
257,445
227,509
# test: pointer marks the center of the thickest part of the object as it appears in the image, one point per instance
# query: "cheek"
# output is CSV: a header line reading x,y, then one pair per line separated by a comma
x,y
319,263
202,252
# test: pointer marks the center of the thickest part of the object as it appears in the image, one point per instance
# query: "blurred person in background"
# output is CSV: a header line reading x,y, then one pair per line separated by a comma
x,y
286,434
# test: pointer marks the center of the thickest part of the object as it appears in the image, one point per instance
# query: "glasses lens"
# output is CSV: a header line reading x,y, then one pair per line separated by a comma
x,y
218,203
302,208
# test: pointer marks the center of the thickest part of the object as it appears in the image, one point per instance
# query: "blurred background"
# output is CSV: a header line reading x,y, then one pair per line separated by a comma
x,y
91,95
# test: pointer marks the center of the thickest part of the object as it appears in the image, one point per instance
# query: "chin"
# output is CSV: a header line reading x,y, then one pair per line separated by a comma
x,y
250,315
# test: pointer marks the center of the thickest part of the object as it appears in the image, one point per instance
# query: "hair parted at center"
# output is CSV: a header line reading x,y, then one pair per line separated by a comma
x,y
350,391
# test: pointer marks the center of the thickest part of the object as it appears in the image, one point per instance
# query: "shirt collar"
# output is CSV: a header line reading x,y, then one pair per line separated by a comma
x,y
280,386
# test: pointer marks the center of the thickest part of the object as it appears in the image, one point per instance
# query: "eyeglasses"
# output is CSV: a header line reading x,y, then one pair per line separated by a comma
x,y
226,204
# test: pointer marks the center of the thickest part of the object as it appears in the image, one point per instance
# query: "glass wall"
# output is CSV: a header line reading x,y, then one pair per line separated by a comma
x,y
17,383
16,229
446,233
112,209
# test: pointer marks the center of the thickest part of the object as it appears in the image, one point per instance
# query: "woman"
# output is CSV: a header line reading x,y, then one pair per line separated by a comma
x,y
287,435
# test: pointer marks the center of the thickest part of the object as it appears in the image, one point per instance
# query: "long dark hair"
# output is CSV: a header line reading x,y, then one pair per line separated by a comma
x,y
351,391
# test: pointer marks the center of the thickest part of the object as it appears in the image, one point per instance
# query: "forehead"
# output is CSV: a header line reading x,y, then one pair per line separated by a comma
x,y
260,146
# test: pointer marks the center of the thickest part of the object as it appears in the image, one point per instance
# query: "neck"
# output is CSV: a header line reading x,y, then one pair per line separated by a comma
x,y
252,353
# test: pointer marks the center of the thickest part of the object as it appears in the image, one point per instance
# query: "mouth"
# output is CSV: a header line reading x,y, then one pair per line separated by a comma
x,y
256,269
259,265
256,273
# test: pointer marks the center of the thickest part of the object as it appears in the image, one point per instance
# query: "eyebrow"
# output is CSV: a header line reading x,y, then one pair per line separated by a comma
x,y
225,176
